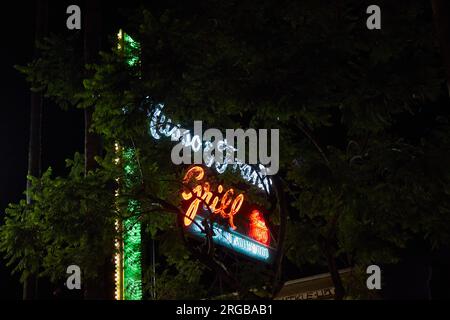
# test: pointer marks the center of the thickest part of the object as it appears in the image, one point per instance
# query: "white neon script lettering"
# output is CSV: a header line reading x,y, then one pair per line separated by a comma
x,y
160,125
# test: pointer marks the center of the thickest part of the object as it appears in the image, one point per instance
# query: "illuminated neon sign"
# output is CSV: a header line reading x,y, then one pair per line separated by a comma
x,y
128,271
235,241
258,228
250,237
161,125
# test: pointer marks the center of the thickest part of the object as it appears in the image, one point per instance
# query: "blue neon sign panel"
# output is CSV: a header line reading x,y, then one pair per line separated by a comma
x,y
228,238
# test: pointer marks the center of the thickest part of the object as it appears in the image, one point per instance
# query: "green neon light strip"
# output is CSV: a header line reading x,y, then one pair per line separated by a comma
x,y
131,47
132,270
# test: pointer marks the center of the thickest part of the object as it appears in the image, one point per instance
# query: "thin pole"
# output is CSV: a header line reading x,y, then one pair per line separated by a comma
x,y
154,270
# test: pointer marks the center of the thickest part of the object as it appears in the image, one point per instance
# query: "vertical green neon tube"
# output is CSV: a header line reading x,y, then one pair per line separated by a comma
x,y
132,269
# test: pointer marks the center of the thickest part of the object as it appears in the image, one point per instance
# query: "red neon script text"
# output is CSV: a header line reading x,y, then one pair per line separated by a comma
x,y
222,204
258,228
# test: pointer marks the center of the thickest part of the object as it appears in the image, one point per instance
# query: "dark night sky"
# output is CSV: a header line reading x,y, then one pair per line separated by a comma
x,y
63,130
13,116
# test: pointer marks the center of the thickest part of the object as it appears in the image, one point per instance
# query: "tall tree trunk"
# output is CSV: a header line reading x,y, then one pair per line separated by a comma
x,y
102,287
34,147
92,45
339,290
441,14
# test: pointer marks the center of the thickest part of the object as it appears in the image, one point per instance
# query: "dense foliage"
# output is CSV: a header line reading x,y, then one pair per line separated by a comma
x,y
364,132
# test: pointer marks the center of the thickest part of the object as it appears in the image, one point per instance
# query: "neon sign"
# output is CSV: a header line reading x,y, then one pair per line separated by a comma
x,y
258,228
160,125
234,241
128,272
234,226
228,206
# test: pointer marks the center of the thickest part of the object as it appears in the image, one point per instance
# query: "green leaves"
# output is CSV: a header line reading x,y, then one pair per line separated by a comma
x,y
359,176
58,70
49,234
